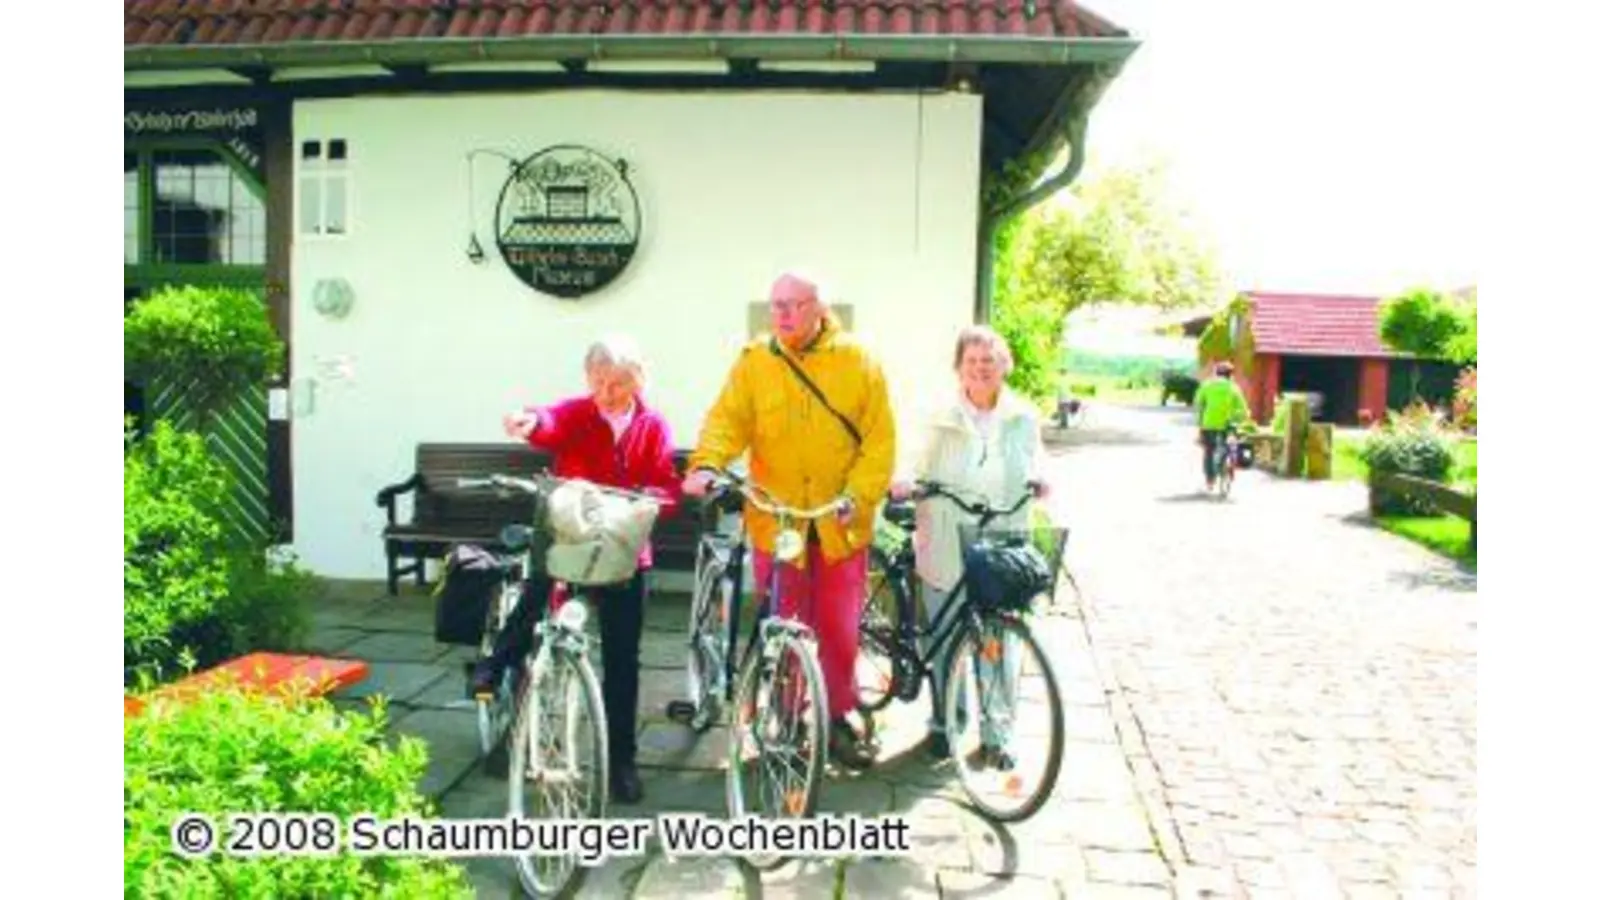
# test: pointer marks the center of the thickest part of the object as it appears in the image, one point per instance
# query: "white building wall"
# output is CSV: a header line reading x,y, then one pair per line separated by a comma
x,y
877,192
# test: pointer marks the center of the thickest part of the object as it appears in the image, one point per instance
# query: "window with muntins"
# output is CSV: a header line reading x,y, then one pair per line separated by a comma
x,y
204,214
324,187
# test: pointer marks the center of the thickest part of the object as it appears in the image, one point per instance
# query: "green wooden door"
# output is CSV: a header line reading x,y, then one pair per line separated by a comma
x,y
195,214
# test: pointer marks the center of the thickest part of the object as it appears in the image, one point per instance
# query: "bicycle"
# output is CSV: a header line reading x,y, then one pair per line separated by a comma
x,y
984,634
779,682
713,618
1226,456
536,708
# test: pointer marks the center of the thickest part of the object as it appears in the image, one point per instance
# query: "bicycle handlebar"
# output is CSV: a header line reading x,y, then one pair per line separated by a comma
x,y
927,489
722,482
542,483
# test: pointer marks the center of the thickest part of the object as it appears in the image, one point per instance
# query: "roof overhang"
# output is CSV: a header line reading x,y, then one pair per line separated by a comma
x,y
425,51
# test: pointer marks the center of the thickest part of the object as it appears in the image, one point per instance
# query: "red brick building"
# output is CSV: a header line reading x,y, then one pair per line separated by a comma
x,y
1327,345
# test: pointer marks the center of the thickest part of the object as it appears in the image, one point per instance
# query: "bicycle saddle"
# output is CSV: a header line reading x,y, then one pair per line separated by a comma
x,y
516,538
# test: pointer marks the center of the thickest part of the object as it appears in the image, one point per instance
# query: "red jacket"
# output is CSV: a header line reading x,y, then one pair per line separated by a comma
x,y
581,442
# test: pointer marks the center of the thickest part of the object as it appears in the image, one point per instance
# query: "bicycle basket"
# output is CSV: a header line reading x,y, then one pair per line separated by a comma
x,y
597,536
1008,568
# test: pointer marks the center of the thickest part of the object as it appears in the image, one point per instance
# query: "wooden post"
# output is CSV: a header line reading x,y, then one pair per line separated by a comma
x,y
1294,434
1319,451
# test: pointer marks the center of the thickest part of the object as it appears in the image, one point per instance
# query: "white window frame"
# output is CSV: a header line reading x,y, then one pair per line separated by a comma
x,y
324,172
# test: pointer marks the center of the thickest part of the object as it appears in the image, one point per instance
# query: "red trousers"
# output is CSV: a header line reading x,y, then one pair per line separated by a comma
x,y
827,597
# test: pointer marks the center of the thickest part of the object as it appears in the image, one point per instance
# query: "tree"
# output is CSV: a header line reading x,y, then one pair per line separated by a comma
x,y
1429,324
1116,239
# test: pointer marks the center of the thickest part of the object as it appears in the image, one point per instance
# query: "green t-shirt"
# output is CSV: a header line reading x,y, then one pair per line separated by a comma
x,y
1220,402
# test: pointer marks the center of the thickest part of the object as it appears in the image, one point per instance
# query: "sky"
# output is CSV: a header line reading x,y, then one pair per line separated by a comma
x,y
1321,147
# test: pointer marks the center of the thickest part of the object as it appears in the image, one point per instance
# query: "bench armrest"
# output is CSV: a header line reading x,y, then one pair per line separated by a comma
x,y
387,495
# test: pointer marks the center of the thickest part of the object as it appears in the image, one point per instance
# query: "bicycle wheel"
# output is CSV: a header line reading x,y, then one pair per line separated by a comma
x,y
1007,766
558,762
878,671
775,741
494,715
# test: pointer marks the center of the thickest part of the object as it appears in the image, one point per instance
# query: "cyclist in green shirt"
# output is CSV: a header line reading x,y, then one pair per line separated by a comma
x,y
1219,404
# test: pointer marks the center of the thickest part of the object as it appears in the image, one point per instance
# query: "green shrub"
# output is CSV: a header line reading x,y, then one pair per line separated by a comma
x,y
216,340
1410,443
1084,389
188,588
267,606
230,752
174,572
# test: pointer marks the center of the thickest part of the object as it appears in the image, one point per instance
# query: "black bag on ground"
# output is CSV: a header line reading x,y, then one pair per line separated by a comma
x,y
461,605
1006,573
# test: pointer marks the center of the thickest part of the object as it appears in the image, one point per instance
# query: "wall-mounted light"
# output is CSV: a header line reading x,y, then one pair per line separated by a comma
x,y
475,252
333,297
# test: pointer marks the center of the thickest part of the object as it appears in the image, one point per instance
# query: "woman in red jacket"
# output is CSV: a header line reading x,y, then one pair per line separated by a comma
x,y
606,437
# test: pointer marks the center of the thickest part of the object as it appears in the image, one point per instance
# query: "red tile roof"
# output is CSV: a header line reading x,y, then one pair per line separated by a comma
x,y
1316,324
154,23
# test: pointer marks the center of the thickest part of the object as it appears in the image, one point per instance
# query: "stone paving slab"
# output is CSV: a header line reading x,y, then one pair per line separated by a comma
x,y
955,852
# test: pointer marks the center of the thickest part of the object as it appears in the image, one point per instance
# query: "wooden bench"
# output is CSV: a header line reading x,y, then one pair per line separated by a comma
x,y
260,672
444,516
1446,499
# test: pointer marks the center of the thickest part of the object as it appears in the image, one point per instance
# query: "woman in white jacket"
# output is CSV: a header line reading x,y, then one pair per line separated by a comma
x,y
983,445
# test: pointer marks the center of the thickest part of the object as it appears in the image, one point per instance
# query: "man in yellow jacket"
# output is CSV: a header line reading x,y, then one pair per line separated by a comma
x,y
804,455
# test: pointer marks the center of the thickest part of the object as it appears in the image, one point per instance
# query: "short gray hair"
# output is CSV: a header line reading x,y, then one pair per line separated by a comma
x,y
984,336
615,350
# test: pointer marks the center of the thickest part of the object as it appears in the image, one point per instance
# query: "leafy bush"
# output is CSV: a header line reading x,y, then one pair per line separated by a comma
x,y
1410,443
267,606
217,340
1084,389
188,589
173,570
231,752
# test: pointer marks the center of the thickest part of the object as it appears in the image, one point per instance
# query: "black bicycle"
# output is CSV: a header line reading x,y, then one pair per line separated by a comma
x,y
995,665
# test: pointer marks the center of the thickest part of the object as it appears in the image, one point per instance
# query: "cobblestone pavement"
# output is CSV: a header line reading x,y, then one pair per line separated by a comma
x,y
1297,689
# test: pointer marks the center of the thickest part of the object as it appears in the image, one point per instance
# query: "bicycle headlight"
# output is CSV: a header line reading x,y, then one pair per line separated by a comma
x,y
572,615
789,545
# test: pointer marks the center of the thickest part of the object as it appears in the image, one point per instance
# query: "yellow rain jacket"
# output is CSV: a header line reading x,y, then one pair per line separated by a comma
x,y
800,453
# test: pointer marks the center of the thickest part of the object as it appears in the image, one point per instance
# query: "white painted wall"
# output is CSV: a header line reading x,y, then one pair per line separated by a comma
x,y
879,193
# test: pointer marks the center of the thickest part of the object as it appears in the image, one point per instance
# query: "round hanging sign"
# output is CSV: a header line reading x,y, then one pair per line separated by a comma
x,y
567,222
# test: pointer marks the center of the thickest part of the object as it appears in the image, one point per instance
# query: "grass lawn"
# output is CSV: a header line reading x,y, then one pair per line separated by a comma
x,y
1443,534
1111,389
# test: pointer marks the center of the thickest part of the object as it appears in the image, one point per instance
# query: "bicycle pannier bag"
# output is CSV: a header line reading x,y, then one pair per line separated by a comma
x,y
1245,457
1006,574
461,604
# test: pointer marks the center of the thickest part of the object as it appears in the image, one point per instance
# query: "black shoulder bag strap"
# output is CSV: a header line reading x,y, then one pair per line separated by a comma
x,y
816,392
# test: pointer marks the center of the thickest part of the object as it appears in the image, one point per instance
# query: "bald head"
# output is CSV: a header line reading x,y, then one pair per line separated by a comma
x,y
797,306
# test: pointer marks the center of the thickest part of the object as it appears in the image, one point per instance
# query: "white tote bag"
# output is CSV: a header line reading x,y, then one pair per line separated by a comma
x,y
597,536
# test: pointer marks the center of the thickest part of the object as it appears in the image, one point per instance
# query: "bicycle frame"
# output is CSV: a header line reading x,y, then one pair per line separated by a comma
x,y
942,628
